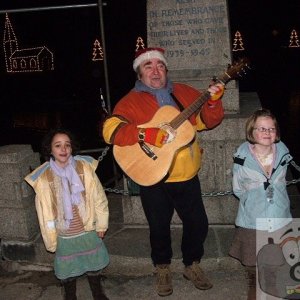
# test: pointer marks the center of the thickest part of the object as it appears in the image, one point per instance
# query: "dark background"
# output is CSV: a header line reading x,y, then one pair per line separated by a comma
x,y
266,28
69,95
72,91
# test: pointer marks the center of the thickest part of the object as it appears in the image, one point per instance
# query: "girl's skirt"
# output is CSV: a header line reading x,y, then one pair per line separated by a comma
x,y
243,246
79,254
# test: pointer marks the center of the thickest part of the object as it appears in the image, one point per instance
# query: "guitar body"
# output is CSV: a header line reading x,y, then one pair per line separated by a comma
x,y
145,170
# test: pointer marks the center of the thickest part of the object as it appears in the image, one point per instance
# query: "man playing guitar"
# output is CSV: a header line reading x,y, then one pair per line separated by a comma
x,y
140,123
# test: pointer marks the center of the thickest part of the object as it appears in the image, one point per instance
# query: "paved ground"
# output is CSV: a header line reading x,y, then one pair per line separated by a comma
x,y
42,285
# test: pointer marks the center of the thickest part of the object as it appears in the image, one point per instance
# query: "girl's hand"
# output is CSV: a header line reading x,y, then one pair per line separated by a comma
x,y
101,234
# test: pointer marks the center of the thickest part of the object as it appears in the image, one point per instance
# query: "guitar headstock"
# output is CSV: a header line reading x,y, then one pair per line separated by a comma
x,y
237,69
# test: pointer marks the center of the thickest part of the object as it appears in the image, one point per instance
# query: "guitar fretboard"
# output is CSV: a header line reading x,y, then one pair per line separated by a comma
x,y
187,112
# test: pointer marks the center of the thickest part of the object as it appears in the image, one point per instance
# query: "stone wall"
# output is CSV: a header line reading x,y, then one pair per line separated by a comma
x,y
17,210
19,224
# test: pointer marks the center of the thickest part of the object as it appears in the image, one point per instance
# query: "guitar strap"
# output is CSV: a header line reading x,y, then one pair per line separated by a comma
x,y
181,108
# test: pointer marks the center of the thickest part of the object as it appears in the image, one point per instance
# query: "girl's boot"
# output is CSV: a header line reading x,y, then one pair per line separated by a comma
x,y
251,274
70,289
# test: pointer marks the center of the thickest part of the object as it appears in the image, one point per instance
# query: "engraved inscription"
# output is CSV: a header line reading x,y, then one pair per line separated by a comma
x,y
194,30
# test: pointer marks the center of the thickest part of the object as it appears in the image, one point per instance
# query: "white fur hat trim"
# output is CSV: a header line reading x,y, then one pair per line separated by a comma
x,y
147,56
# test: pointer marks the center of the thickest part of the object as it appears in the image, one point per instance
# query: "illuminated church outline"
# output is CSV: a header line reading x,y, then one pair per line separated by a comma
x,y
36,59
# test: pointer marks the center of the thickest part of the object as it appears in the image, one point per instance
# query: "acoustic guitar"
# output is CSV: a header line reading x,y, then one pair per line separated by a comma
x,y
146,164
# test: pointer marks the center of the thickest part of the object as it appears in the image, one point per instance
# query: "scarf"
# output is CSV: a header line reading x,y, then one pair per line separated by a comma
x,y
71,185
162,95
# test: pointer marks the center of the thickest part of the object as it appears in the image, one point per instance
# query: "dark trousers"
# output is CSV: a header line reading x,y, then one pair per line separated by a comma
x,y
159,202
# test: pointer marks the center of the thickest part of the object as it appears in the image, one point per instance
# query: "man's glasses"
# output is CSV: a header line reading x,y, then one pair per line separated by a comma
x,y
264,130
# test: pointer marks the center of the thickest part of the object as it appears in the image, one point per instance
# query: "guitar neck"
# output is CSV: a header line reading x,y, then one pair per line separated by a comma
x,y
232,72
187,112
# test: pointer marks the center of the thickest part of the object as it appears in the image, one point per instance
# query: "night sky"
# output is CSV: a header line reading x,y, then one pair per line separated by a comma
x,y
70,34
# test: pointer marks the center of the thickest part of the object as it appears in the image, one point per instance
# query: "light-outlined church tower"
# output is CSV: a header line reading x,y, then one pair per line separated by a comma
x,y
10,43
36,59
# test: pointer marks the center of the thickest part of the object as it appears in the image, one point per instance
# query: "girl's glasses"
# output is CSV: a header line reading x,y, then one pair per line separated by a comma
x,y
264,130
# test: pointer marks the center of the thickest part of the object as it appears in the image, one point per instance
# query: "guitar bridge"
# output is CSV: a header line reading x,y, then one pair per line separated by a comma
x,y
147,150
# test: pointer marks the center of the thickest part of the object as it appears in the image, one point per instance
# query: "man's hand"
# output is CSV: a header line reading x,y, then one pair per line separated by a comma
x,y
153,136
216,92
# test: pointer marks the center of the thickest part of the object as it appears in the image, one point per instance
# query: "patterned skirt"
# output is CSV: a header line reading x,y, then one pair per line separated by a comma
x,y
79,254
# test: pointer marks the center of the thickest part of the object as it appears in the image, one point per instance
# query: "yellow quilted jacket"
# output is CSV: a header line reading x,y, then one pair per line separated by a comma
x,y
96,214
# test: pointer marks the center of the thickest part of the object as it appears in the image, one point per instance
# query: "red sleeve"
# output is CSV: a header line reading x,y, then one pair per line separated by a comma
x,y
134,109
212,116
126,135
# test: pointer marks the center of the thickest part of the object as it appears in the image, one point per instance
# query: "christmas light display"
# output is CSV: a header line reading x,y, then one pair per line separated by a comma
x,y
97,51
294,41
36,59
238,42
139,44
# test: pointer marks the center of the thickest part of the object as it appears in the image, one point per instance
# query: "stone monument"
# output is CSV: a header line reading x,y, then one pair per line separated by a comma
x,y
196,37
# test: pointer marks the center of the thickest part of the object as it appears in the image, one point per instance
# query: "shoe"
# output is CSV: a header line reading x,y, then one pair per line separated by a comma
x,y
163,280
196,275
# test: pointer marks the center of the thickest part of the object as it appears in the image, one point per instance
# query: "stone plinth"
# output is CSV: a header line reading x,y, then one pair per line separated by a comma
x,y
17,209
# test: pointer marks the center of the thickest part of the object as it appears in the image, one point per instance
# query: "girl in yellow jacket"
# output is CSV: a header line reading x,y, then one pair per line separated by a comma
x,y
72,209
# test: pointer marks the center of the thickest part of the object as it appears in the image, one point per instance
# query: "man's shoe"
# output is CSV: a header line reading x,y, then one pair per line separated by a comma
x,y
163,280
196,275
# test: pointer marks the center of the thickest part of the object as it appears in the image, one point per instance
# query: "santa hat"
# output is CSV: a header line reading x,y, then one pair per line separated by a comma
x,y
146,54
